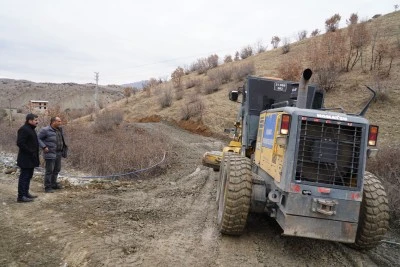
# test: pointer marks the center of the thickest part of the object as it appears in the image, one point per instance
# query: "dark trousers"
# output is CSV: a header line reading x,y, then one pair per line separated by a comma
x,y
53,167
24,181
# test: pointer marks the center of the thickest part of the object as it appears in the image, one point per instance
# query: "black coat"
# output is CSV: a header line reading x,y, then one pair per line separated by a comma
x,y
27,141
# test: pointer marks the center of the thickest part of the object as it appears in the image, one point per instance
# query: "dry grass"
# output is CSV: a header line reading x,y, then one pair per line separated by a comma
x,y
124,149
350,92
387,167
8,137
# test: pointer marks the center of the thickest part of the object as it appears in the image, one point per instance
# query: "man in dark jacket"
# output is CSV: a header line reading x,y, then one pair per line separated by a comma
x,y
51,140
28,156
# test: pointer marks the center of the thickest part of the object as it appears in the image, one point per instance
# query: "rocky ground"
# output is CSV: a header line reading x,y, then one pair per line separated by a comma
x,y
169,220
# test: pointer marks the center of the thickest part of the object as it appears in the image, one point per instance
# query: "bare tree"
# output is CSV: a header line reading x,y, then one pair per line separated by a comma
x,y
246,52
359,38
315,32
259,47
212,61
176,76
332,24
227,59
301,35
286,46
237,56
396,6
275,41
352,20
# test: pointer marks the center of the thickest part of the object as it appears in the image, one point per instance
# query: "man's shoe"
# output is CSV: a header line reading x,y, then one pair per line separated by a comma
x,y
57,186
24,199
49,190
31,196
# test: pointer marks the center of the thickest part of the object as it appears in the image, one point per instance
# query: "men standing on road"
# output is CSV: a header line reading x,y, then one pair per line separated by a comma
x,y
51,140
28,156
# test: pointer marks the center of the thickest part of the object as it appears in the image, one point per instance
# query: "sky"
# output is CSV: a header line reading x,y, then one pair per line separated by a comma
x,y
128,41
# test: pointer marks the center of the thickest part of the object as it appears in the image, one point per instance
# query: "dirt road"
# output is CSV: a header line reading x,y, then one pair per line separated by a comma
x,y
169,220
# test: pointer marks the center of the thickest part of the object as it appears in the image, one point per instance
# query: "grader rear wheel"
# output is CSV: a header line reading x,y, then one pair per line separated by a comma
x,y
222,168
374,214
234,194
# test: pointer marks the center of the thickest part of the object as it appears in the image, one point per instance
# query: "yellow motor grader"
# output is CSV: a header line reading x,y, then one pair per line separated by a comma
x,y
300,163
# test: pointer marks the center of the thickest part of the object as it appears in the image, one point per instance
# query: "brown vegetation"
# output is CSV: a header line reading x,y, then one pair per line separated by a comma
x,y
387,167
121,150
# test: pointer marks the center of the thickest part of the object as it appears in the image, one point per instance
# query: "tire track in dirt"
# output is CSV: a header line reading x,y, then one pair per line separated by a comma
x,y
168,220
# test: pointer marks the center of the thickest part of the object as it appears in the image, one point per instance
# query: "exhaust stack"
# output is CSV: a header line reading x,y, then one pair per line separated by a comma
x,y
303,89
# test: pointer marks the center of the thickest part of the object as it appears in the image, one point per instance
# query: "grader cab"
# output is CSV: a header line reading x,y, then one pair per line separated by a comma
x,y
302,164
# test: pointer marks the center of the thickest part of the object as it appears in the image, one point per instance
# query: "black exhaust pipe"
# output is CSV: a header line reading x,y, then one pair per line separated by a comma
x,y
303,88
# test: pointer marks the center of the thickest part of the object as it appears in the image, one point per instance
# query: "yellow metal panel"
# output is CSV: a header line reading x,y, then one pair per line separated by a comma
x,y
257,153
272,154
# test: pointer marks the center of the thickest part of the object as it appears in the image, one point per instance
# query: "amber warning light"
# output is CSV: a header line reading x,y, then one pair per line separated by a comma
x,y
285,124
373,135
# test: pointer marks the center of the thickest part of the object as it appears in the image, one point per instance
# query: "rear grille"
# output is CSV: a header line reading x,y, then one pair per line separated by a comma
x,y
328,152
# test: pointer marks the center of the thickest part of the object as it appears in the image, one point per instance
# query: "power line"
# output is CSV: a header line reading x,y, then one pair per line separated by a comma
x,y
96,102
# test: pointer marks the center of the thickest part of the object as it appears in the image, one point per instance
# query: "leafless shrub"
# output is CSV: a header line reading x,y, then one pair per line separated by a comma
x,y
165,98
237,56
3,114
275,41
382,88
222,74
290,69
246,52
212,61
107,120
286,46
260,47
332,23
176,76
301,35
376,16
359,38
179,93
315,32
211,86
352,20
240,71
192,108
328,59
8,136
386,166
127,92
192,83
201,66
125,149
186,69
227,59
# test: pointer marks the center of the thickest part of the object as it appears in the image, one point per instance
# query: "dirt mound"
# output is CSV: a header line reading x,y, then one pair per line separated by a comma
x,y
194,127
152,118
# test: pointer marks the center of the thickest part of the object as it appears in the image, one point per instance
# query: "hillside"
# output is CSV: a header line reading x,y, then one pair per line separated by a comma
x,y
65,95
349,92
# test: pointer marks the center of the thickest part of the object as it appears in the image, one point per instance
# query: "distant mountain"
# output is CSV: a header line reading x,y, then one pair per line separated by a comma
x,y
138,85
18,93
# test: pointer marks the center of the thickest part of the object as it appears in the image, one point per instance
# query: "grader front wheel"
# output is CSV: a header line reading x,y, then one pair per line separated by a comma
x,y
234,194
374,214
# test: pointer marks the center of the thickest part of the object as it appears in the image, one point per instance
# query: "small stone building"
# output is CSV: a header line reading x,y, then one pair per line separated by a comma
x,y
40,106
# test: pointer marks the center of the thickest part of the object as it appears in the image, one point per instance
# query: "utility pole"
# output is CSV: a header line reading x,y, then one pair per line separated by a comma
x,y
96,102
10,117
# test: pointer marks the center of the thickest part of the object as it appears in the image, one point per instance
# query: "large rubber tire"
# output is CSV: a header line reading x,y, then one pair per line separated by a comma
x,y
234,194
222,169
373,220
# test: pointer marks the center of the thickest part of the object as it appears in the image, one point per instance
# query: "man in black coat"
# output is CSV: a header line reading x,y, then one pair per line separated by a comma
x,y
28,156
